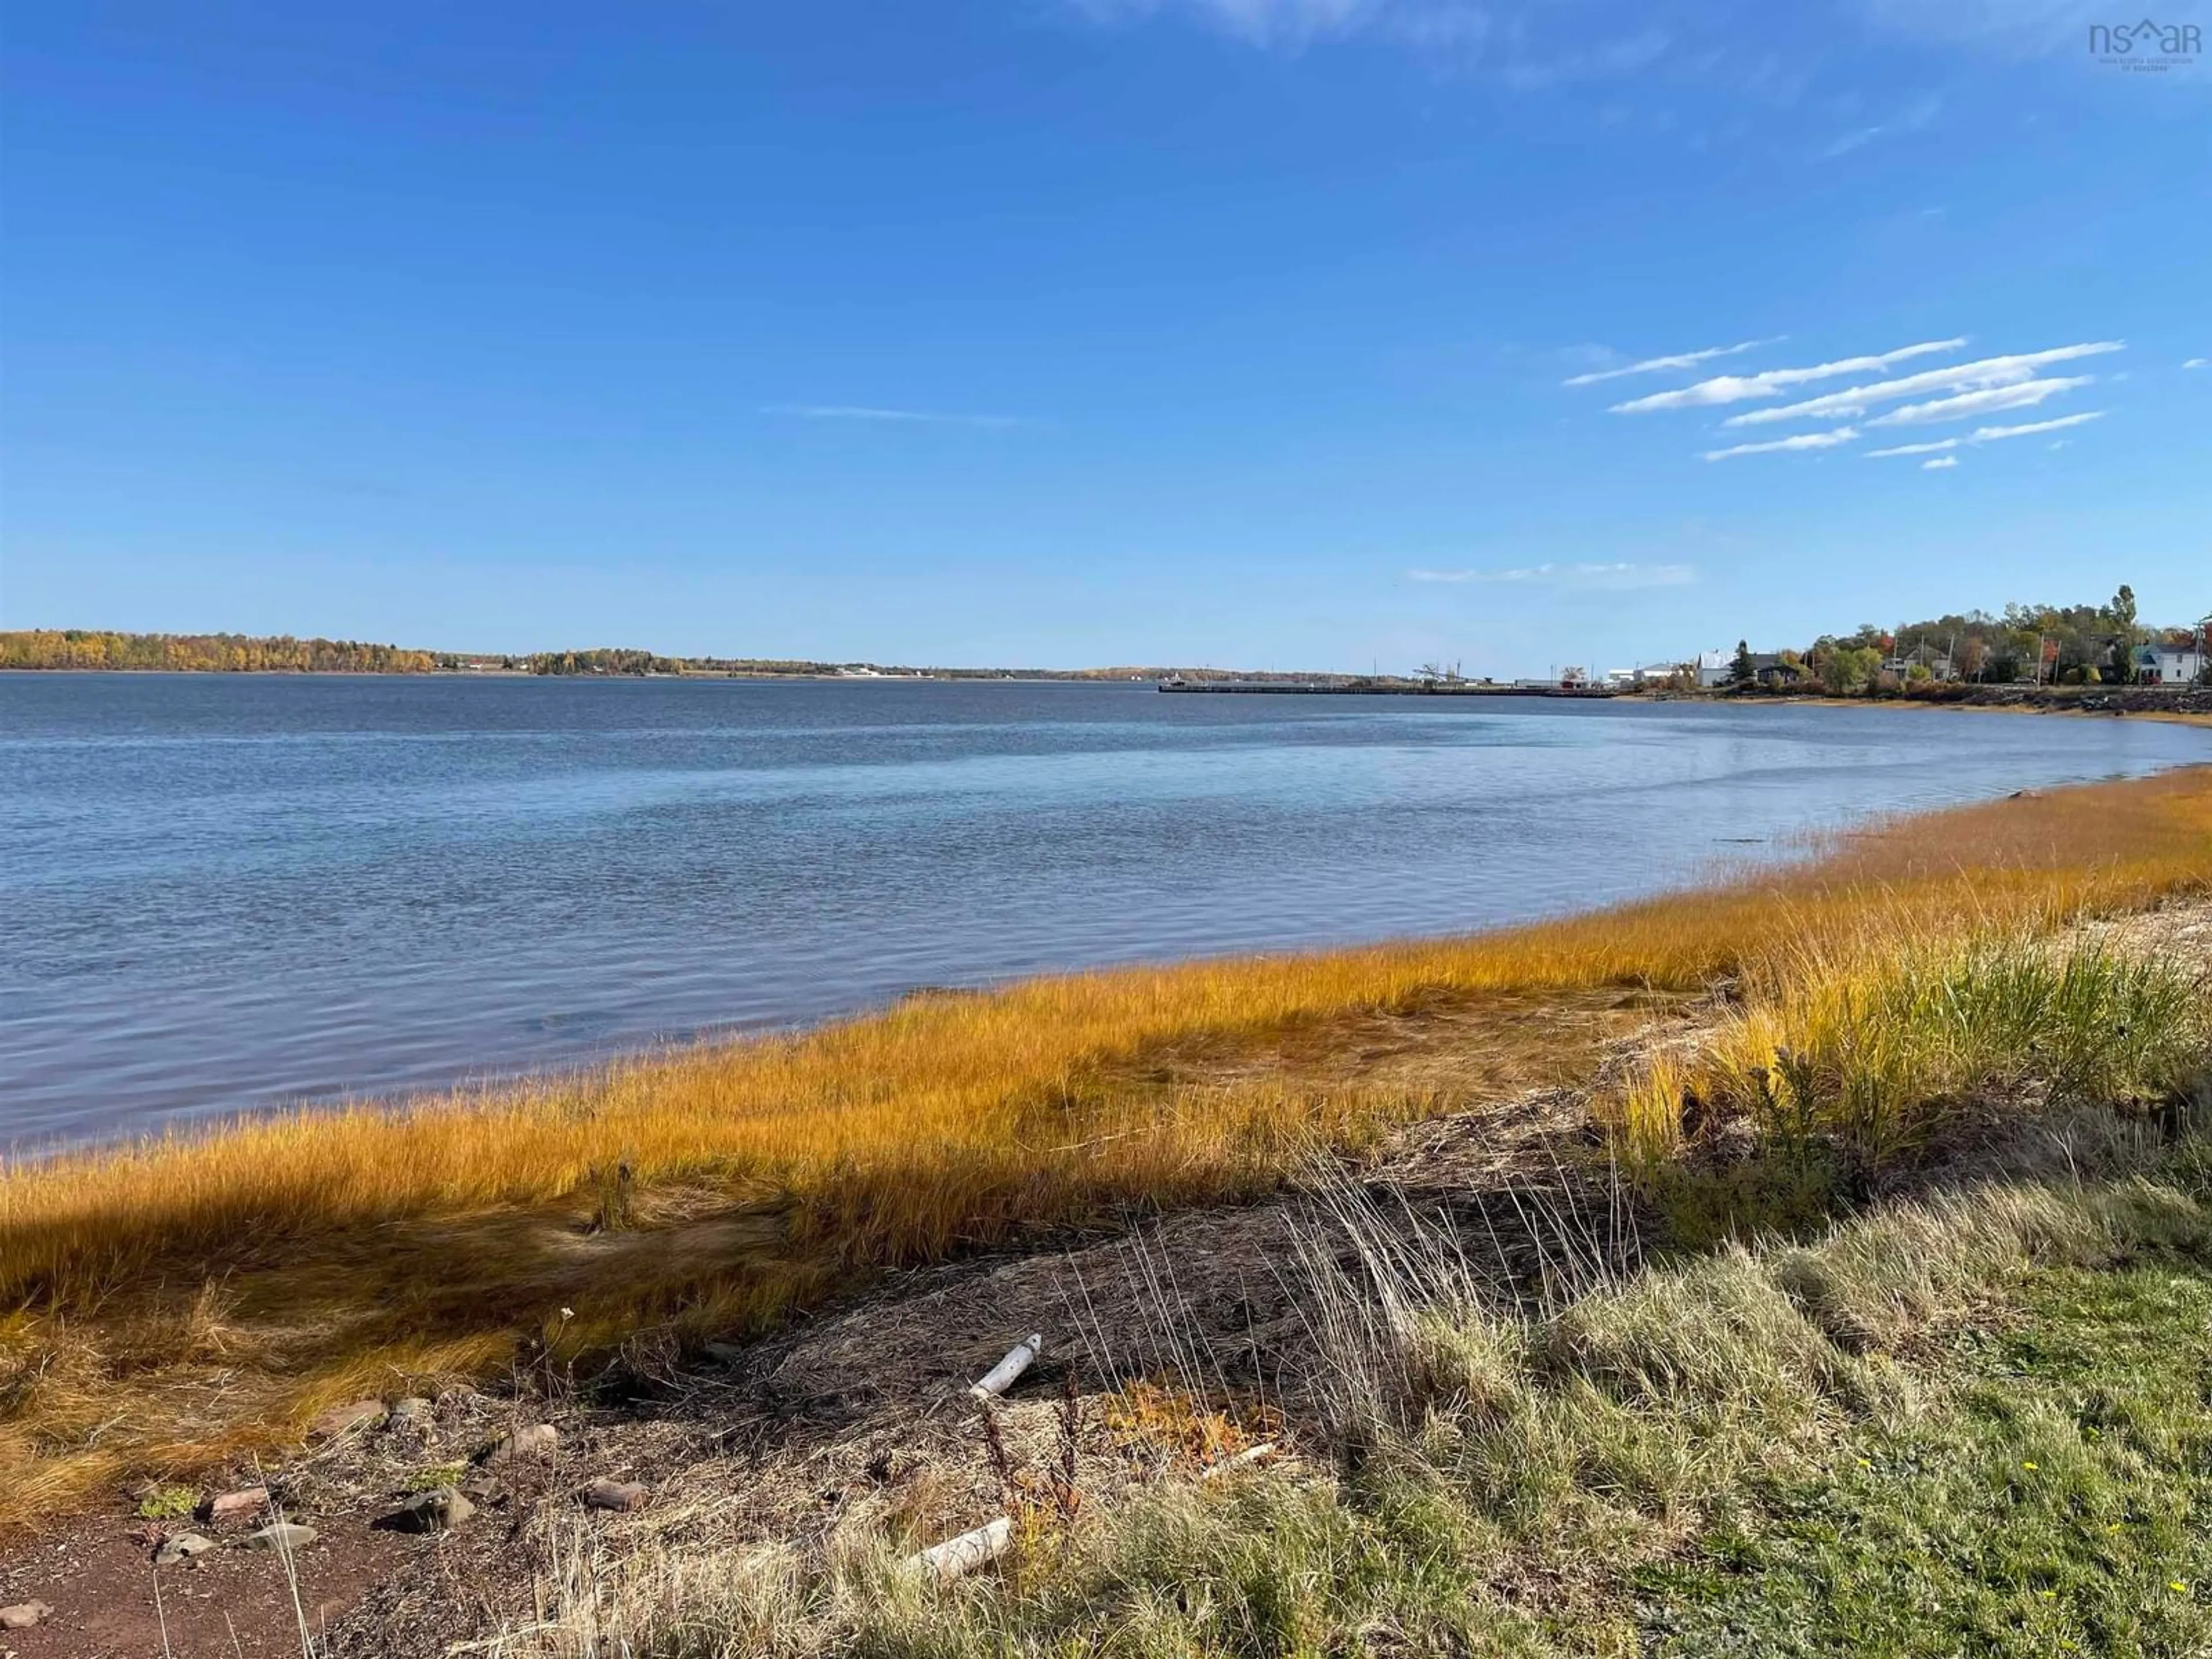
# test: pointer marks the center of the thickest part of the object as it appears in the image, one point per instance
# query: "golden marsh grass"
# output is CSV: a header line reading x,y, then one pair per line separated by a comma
x,y
180,1302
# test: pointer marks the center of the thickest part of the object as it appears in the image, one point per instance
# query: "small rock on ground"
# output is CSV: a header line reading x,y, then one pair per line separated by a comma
x,y
345,1418
282,1536
434,1510
23,1614
620,1496
538,1438
241,1506
182,1547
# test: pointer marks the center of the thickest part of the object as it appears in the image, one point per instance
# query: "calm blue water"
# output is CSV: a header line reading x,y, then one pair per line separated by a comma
x,y
220,892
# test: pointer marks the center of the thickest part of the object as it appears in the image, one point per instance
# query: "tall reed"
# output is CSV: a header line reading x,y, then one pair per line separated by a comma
x,y
1879,1049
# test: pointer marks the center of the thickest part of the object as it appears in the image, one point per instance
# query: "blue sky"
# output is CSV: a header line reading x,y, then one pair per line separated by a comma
x,y
1266,332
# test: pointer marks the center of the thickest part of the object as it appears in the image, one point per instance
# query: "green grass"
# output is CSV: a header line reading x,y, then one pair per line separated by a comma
x,y
433,1476
1813,1095
167,1503
1873,1060
2060,1501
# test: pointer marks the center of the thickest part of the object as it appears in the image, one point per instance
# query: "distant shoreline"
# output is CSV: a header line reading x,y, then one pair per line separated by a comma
x,y
958,676
937,677
2184,705
83,650
2187,704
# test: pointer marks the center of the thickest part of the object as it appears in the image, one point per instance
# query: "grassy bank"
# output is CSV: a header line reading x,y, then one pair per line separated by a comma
x,y
177,1304
1972,1424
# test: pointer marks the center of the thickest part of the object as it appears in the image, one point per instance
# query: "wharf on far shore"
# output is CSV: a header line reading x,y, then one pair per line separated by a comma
x,y
1387,688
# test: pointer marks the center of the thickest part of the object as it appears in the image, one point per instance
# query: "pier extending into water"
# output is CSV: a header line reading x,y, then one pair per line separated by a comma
x,y
1385,689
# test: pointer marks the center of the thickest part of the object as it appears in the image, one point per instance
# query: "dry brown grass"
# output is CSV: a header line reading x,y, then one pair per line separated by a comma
x,y
183,1301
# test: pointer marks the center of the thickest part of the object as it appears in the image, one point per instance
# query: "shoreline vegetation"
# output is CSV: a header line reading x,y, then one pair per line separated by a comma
x,y
1750,1058
92,650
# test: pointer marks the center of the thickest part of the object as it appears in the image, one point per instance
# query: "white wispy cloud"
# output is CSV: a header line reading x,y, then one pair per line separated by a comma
x,y
1619,576
1262,22
1955,377
1739,388
1911,118
2003,28
1986,434
1989,435
1955,391
890,417
1457,27
1842,434
2194,362
1939,463
1607,60
1679,360
1850,141
1991,401
1472,34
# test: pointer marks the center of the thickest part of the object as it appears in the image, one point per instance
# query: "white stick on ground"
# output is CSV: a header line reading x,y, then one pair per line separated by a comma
x,y
1249,1454
1000,1376
955,1556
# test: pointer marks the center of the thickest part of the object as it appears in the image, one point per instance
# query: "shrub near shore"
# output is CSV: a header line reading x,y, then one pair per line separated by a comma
x,y
179,1303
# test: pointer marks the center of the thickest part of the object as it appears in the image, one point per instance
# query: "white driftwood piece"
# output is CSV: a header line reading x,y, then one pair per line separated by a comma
x,y
971,1550
1000,1376
1249,1456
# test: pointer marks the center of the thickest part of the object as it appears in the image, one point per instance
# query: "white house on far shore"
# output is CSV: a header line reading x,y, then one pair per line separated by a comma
x,y
2167,665
1716,668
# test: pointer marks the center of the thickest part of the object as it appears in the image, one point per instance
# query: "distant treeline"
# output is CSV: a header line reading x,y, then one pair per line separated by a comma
x,y
603,662
623,661
242,653
2046,644
2026,641
236,653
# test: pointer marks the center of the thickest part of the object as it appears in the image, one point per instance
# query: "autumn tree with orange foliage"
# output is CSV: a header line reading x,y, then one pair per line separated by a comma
x,y
236,653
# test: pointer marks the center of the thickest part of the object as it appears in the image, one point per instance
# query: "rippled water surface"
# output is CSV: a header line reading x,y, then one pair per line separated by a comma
x,y
218,892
